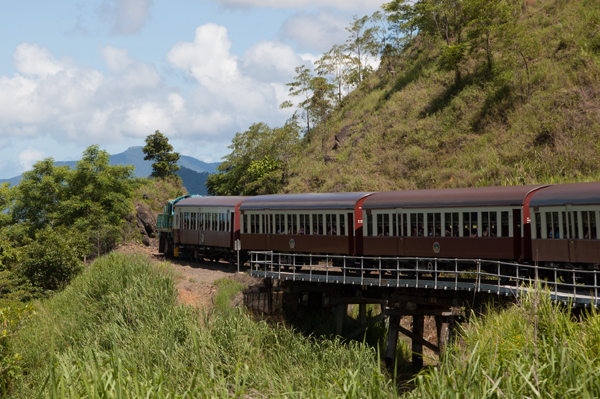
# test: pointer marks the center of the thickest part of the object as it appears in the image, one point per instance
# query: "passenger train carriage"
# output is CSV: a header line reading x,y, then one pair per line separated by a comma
x,y
555,225
207,227
566,225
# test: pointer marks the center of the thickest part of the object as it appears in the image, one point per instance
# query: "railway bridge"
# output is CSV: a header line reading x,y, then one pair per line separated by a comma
x,y
413,287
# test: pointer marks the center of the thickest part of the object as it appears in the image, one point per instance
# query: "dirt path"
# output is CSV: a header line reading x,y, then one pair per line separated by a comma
x,y
195,279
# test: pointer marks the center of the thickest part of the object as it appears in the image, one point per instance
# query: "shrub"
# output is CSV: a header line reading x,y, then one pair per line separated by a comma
x,y
54,258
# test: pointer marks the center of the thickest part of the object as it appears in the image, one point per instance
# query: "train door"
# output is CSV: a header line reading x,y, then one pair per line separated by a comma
x,y
350,227
401,230
516,228
571,227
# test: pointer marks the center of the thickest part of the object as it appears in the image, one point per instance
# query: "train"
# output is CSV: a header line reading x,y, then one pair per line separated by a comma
x,y
552,225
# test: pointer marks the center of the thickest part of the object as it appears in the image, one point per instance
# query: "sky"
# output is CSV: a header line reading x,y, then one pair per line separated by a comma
x,y
110,72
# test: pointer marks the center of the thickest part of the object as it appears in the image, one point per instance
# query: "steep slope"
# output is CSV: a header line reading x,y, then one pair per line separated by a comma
x,y
536,118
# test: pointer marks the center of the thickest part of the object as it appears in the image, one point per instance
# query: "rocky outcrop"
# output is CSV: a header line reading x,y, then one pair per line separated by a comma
x,y
146,223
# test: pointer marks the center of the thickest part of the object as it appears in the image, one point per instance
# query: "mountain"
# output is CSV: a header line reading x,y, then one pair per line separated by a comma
x,y
135,156
526,111
193,172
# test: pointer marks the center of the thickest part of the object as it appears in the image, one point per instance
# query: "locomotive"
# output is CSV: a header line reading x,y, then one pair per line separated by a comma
x,y
550,225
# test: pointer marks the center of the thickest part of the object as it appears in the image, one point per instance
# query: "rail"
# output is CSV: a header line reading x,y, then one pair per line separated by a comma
x,y
573,286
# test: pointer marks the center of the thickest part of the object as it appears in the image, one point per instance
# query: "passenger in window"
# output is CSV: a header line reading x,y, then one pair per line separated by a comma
x,y
485,232
455,231
430,232
447,232
586,234
414,232
301,231
474,234
421,231
438,231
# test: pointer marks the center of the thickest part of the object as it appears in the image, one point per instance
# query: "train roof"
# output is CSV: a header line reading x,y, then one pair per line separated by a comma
x,y
567,194
312,201
451,197
210,201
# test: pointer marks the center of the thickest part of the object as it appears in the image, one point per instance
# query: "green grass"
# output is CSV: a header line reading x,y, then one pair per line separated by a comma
x,y
117,331
533,349
227,290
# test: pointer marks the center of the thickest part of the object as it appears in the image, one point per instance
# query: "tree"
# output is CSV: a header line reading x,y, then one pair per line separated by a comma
x,y
489,17
335,63
301,87
98,198
159,150
361,45
39,195
94,198
6,201
258,162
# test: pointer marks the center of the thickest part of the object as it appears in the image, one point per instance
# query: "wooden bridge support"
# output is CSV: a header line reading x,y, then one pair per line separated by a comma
x,y
392,341
417,345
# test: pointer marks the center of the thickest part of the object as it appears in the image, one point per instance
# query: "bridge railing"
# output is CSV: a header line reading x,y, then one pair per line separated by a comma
x,y
579,287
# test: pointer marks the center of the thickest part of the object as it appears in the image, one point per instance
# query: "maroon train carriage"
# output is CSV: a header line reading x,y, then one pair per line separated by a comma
x,y
472,223
323,223
566,230
207,227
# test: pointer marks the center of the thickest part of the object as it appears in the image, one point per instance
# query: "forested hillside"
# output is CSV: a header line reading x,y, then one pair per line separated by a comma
x,y
440,115
467,93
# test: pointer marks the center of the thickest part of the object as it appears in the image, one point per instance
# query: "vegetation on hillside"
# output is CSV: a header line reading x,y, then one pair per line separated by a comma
x,y
117,331
505,96
466,93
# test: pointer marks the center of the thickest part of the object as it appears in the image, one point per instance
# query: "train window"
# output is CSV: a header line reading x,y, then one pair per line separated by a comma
x,y
504,223
588,222
466,224
304,224
194,222
538,225
394,232
331,225
342,225
552,230
485,224
412,226
319,225
252,224
403,217
245,224
493,224
565,227
369,225
176,221
434,224
279,224
518,224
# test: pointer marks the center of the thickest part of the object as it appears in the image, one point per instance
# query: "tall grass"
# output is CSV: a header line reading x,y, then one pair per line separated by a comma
x,y
534,349
118,331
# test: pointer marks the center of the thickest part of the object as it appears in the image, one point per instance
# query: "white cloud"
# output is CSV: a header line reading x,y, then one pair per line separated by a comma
x,y
231,90
28,157
318,31
270,61
32,60
125,16
84,106
341,4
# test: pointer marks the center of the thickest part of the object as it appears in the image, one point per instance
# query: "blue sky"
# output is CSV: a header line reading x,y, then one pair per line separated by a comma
x,y
109,72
